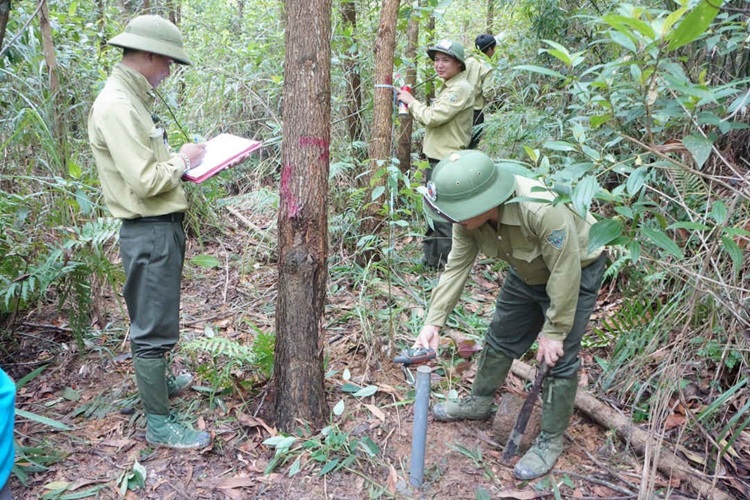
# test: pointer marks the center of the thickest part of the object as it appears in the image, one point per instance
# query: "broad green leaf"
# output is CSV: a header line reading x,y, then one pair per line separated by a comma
x,y
691,226
378,192
71,394
636,180
42,420
57,485
661,240
735,253
295,467
694,24
719,212
623,40
699,147
338,409
597,121
583,193
671,19
328,467
533,154
603,232
369,446
350,388
539,69
366,391
562,56
591,152
622,22
207,261
559,146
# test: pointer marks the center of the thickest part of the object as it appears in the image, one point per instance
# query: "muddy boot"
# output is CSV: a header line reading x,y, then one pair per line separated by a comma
x,y
559,397
493,368
177,384
162,428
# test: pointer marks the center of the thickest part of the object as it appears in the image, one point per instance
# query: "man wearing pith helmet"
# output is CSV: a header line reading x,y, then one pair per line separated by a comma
x,y
479,72
141,184
447,123
547,296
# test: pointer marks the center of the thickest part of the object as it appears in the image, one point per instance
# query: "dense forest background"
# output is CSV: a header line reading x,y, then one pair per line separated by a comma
x,y
637,111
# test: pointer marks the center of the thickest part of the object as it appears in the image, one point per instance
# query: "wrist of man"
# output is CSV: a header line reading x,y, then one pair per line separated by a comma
x,y
186,161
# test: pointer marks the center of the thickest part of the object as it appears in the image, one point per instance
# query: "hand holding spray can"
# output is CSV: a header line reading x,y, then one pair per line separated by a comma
x,y
403,108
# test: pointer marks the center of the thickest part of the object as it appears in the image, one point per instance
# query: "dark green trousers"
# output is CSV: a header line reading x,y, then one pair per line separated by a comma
x,y
152,254
519,316
436,244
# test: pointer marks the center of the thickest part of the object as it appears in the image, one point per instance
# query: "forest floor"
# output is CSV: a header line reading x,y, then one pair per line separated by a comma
x,y
93,392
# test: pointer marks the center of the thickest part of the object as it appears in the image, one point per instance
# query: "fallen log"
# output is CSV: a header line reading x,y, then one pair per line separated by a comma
x,y
668,463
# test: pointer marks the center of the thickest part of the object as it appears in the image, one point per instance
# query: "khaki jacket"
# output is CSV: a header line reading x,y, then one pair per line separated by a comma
x,y
545,244
479,73
138,174
448,119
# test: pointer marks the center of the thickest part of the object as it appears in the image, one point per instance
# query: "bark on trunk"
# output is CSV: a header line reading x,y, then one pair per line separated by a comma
x,y
668,462
302,222
353,107
4,15
48,48
382,113
407,123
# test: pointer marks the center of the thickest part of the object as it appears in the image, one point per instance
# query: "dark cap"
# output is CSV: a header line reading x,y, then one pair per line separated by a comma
x,y
485,42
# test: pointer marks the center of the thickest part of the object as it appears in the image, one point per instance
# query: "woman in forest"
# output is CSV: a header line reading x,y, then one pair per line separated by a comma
x,y
447,123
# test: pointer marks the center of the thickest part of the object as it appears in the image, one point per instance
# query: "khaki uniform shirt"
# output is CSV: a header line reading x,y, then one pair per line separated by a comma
x,y
479,74
448,119
545,245
139,176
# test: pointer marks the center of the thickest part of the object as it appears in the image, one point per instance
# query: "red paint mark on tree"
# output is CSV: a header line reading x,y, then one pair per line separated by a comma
x,y
323,144
286,195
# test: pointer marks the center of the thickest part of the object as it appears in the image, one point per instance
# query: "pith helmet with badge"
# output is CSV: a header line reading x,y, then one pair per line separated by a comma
x,y
450,47
152,34
466,184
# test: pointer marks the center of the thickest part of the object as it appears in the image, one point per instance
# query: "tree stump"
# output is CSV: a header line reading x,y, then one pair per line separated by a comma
x,y
505,418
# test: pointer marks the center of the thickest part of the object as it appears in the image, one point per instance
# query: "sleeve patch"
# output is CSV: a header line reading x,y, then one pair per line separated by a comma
x,y
557,237
452,98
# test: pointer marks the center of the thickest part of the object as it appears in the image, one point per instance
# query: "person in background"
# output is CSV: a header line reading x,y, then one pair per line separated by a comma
x,y
141,184
447,123
547,296
7,418
479,72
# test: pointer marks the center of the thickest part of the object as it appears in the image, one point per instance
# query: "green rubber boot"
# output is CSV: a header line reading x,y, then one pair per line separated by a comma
x,y
493,368
558,401
162,427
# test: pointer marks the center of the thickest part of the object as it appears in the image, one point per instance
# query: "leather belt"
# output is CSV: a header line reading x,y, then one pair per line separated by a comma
x,y
174,217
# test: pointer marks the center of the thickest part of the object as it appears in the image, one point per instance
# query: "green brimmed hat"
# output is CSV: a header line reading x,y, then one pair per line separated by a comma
x,y
453,49
152,34
465,184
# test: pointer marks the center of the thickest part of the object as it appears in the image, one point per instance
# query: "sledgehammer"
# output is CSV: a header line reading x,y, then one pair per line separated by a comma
x,y
511,447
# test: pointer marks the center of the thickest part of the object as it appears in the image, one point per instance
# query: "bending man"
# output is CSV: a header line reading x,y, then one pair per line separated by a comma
x,y
547,295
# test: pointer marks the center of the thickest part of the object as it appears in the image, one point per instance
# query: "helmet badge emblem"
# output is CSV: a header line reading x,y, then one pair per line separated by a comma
x,y
431,192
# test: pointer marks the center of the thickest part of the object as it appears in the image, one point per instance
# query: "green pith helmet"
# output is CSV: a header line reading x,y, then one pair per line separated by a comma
x,y
465,184
453,49
152,34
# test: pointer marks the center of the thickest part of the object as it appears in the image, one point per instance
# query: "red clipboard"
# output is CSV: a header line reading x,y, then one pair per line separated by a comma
x,y
222,152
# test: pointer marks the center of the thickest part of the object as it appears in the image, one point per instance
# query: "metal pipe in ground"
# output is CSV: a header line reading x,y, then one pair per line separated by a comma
x,y
419,433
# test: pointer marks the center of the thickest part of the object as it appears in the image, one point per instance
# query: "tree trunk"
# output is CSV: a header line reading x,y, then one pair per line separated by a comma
x,y
4,15
48,48
490,16
303,217
382,114
406,123
353,107
173,11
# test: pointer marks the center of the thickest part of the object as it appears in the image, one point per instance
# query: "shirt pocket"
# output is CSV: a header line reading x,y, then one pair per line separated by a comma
x,y
158,144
